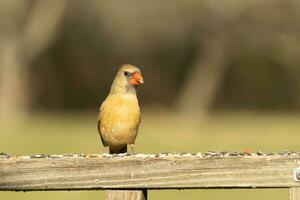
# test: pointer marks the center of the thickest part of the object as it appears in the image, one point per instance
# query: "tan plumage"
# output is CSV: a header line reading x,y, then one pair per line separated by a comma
x,y
119,114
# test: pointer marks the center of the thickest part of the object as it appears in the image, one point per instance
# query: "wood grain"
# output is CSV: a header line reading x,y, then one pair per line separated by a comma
x,y
126,195
295,193
164,171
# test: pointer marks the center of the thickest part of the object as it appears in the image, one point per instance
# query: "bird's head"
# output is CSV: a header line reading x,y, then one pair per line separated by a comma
x,y
127,79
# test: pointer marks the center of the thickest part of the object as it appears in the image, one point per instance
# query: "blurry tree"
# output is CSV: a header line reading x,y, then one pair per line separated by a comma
x,y
27,28
186,49
205,77
266,29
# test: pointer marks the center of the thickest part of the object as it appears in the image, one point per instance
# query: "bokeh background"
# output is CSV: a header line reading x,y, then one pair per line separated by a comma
x,y
219,75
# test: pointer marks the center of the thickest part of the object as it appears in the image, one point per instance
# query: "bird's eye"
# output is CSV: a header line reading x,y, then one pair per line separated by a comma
x,y
126,73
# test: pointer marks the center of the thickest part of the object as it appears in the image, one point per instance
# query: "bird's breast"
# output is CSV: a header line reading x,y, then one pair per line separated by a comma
x,y
120,117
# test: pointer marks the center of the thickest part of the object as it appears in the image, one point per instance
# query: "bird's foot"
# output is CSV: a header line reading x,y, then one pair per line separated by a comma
x,y
132,148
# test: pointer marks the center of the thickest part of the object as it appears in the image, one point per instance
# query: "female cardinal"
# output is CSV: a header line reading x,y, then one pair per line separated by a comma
x,y
119,114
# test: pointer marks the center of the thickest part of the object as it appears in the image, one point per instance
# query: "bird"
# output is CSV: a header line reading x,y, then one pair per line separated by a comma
x,y
119,114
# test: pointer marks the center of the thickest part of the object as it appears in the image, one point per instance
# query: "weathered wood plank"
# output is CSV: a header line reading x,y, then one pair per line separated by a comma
x,y
295,193
126,195
165,171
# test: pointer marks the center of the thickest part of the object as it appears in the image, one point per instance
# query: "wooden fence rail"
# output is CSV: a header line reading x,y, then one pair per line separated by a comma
x,y
141,172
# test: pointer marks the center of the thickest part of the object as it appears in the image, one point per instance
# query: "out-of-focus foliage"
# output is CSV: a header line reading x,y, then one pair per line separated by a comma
x,y
260,40
194,54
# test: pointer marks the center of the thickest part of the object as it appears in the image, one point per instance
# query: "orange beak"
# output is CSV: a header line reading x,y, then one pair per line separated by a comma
x,y
137,79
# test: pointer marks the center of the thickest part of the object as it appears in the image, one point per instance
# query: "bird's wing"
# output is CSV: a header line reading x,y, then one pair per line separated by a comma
x,y
99,131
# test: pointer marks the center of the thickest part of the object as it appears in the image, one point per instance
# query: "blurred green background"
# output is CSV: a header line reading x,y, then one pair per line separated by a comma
x,y
221,76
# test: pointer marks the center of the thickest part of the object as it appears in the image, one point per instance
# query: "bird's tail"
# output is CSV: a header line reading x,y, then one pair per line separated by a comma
x,y
117,149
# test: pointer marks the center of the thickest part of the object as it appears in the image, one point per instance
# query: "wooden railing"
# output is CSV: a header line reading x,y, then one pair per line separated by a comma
x,y
130,176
